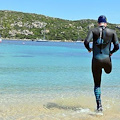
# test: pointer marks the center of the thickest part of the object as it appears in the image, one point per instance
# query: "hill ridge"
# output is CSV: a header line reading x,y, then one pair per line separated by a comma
x,y
20,25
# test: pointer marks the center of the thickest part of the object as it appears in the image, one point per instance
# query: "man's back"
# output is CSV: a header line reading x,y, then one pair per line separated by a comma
x,y
102,38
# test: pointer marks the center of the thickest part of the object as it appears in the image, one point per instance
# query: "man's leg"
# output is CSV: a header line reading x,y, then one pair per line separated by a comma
x,y
107,64
97,72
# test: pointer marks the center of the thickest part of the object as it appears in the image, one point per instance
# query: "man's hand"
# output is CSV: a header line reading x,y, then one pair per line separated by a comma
x,y
90,50
110,54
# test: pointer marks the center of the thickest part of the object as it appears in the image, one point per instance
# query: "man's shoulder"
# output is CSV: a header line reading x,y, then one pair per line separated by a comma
x,y
96,29
107,28
110,30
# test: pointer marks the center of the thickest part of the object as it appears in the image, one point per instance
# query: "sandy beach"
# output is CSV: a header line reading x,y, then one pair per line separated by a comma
x,y
32,107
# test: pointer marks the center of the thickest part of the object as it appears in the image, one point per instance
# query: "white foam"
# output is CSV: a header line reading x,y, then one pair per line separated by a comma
x,y
83,110
89,112
97,113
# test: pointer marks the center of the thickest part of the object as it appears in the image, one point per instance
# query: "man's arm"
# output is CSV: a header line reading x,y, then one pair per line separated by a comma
x,y
87,40
115,42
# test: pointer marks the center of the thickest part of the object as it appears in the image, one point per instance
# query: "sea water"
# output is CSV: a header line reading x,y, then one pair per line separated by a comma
x,y
53,80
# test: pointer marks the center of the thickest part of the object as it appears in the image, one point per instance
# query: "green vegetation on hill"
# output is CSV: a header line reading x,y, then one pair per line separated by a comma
x,y
18,25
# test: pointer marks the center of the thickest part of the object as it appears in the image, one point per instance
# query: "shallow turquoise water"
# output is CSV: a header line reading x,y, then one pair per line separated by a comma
x,y
52,67
53,80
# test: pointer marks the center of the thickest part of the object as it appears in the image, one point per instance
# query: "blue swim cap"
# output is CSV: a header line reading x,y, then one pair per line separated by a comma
x,y
102,18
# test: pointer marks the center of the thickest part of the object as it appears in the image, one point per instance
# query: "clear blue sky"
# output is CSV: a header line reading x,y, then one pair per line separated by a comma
x,y
67,9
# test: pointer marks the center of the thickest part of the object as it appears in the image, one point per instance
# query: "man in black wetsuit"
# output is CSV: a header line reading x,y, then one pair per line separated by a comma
x,y
102,38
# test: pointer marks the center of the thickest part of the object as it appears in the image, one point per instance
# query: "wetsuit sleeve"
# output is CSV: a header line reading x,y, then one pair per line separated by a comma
x,y
87,40
115,42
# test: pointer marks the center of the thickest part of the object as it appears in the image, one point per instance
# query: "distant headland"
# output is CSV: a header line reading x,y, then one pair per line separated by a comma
x,y
30,26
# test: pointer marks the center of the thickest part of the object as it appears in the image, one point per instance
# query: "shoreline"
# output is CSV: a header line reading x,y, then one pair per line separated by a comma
x,y
37,40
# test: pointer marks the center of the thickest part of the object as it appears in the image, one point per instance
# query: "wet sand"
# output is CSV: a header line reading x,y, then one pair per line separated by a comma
x,y
33,107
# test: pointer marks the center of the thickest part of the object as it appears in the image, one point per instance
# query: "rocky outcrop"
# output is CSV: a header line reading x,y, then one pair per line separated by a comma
x,y
118,26
36,24
91,26
24,32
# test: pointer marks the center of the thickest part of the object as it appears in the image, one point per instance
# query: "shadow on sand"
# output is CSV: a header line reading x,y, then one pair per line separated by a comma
x,y
73,108
64,107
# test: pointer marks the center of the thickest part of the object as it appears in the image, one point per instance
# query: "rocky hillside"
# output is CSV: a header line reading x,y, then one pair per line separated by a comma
x,y
18,25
